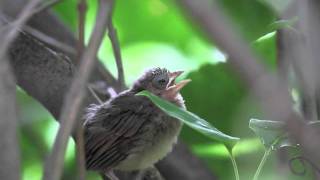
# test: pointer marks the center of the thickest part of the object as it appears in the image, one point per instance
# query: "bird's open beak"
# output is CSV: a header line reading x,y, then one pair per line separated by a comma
x,y
175,74
174,88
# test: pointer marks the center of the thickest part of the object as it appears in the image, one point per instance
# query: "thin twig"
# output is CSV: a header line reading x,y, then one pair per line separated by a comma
x,y
113,35
50,40
94,94
74,97
82,10
10,159
80,152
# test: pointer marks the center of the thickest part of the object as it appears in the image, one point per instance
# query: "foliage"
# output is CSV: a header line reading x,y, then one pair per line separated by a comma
x,y
271,133
157,33
273,137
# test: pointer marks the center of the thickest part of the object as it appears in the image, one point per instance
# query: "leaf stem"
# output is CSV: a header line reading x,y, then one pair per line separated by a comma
x,y
234,164
262,162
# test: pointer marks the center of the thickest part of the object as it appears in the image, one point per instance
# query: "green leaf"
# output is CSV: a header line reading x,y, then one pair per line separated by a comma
x,y
266,47
271,133
191,120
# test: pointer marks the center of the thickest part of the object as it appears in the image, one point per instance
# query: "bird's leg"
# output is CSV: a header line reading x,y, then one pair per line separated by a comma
x,y
110,174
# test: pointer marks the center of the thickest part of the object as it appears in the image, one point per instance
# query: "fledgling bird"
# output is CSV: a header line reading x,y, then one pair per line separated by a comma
x,y
129,132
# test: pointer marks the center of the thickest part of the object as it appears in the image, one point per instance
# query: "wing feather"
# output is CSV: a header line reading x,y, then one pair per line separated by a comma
x,y
111,132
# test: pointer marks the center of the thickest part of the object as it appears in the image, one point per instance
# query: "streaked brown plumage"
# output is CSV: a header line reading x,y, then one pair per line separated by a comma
x,y
129,132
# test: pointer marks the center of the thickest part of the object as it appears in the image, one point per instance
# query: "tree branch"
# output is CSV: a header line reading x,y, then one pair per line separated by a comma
x,y
10,155
113,35
80,152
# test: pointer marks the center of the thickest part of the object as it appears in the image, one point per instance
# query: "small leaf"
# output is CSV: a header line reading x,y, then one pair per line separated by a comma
x,y
284,23
191,120
314,124
271,133
266,47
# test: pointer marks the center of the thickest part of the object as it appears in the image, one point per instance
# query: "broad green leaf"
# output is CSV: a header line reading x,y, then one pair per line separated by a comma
x,y
217,95
191,120
271,133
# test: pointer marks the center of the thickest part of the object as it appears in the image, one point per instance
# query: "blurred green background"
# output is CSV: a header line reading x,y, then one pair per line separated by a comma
x,y
158,33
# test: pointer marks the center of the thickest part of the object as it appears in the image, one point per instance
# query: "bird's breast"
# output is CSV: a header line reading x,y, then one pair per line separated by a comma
x,y
162,135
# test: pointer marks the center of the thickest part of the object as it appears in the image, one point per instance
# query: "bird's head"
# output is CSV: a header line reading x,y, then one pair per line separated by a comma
x,y
160,82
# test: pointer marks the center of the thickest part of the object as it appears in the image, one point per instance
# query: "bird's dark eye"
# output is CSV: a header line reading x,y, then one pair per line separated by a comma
x,y
160,81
